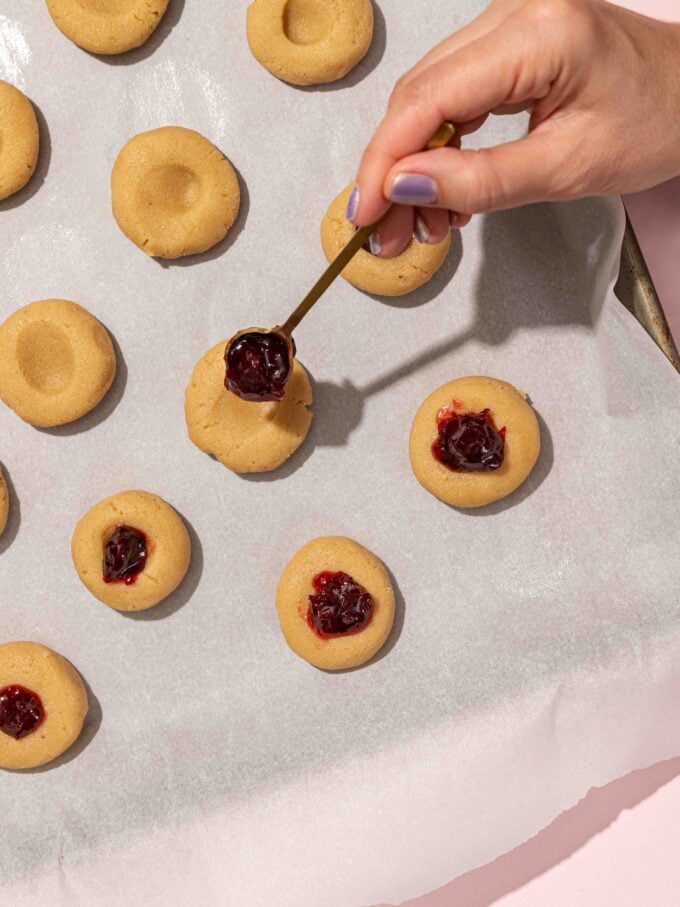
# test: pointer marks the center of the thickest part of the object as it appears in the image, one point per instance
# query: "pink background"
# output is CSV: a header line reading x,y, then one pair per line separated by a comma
x,y
655,214
618,846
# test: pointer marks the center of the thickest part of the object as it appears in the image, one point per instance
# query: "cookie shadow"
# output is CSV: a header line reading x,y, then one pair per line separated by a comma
x,y
42,167
14,516
186,589
91,726
223,246
433,287
103,410
294,462
365,66
338,410
392,639
534,480
170,19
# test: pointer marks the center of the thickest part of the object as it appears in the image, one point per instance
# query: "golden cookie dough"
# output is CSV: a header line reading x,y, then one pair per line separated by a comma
x,y
19,140
56,362
397,276
168,549
4,503
245,437
63,696
173,192
335,554
107,26
509,409
309,42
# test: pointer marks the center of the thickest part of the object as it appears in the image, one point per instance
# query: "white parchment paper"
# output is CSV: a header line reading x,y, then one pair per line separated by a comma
x,y
535,651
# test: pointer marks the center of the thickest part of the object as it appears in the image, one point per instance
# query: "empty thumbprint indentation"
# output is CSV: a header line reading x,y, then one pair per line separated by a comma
x,y
171,187
306,21
45,358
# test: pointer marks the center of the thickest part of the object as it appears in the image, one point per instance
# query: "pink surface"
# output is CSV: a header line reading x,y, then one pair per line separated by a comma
x,y
618,846
655,214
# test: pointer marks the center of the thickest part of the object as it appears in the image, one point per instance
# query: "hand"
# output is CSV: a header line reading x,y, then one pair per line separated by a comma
x,y
603,88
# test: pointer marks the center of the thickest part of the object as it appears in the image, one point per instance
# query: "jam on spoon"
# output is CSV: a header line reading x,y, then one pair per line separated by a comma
x,y
468,442
258,361
21,711
125,554
258,365
339,605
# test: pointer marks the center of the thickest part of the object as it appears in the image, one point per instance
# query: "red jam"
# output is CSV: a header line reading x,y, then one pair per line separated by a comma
x,y
339,605
125,555
468,442
21,711
258,366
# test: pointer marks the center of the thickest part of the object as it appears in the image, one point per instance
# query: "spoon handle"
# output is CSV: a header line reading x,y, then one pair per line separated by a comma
x,y
441,137
343,258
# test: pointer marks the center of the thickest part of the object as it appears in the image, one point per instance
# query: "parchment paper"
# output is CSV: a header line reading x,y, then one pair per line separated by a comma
x,y
535,651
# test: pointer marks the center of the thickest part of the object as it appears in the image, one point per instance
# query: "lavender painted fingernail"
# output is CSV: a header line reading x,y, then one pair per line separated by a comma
x,y
414,189
421,232
353,203
375,244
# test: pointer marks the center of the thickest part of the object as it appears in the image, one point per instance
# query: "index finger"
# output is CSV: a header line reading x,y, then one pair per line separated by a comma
x,y
461,87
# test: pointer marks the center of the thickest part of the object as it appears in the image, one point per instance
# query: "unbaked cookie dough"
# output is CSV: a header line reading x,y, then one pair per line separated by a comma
x,y
309,42
508,409
43,704
4,503
413,267
333,555
107,26
19,140
245,436
139,543
173,192
56,362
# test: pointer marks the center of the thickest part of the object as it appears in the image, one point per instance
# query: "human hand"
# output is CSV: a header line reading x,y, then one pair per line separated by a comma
x,y
603,88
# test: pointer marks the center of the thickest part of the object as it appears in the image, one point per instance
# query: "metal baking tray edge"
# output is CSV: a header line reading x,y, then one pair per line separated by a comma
x,y
635,288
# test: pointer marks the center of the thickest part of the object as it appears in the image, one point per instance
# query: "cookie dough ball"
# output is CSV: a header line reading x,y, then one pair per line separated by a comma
x,y
107,26
4,503
342,572
43,704
173,192
19,140
244,436
397,276
131,550
309,42
56,362
508,410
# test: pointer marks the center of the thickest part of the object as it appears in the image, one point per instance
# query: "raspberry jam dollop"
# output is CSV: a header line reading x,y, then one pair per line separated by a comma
x,y
468,442
258,365
125,555
21,711
339,605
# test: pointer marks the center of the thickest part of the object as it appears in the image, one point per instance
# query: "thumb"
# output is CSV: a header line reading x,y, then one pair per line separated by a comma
x,y
473,181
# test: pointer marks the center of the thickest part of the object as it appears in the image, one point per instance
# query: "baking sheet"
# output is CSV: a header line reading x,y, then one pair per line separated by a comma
x,y
535,651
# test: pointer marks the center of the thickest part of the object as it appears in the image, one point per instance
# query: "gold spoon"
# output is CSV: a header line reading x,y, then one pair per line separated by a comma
x,y
279,350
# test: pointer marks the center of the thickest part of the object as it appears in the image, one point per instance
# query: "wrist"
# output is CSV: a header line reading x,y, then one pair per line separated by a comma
x,y
657,45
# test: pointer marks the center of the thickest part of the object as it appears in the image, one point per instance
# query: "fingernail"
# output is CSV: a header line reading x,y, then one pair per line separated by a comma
x,y
414,189
374,244
421,233
353,203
